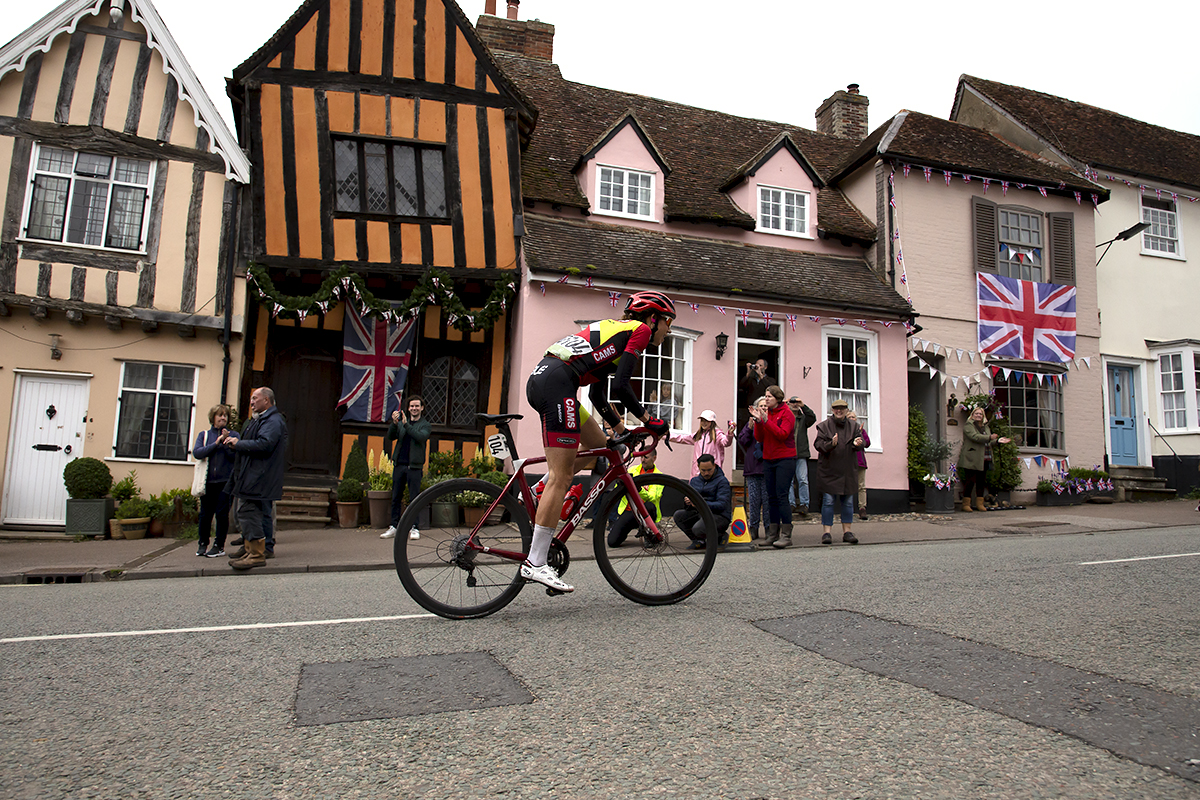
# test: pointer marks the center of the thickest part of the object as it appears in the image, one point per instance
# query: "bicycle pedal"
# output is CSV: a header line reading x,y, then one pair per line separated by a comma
x,y
552,592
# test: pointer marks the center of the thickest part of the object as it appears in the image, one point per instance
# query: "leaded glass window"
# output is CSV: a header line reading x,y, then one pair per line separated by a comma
x,y
450,388
398,179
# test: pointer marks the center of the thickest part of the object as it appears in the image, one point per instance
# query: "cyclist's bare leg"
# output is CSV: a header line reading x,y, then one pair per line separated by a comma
x,y
560,471
591,436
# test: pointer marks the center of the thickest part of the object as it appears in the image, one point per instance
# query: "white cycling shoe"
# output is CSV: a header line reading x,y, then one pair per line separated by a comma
x,y
546,576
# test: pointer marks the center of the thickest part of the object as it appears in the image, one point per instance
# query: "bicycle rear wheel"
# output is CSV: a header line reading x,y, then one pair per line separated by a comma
x,y
440,571
648,572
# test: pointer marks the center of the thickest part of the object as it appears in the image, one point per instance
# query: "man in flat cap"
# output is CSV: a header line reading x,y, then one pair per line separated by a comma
x,y
838,440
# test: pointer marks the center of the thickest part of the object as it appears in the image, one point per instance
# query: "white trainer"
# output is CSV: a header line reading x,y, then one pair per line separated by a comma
x,y
546,576
413,533
389,533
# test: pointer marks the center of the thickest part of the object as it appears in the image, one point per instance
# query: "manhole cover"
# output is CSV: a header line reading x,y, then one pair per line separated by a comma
x,y
1034,524
387,688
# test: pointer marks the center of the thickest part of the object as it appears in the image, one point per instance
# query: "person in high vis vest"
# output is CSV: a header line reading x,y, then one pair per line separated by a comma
x,y
651,495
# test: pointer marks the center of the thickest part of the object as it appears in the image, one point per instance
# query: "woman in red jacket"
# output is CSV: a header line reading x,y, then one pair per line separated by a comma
x,y
775,428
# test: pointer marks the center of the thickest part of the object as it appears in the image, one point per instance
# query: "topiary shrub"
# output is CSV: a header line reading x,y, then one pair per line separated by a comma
x,y
918,432
356,466
87,479
350,490
1005,474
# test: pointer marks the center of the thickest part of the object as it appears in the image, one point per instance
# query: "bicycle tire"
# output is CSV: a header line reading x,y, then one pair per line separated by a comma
x,y
663,573
447,579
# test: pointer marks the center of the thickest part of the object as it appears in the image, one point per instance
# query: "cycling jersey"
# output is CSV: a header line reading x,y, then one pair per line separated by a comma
x,y
586,358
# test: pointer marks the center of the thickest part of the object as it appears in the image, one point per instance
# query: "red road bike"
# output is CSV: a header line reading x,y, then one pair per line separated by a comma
x,y
467,560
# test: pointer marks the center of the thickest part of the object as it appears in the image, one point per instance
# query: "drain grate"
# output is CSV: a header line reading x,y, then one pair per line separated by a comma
x,y
1146,725
387,688
71,578
1034,524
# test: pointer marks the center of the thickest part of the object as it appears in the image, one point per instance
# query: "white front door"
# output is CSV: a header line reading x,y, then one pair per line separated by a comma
x,y
48,426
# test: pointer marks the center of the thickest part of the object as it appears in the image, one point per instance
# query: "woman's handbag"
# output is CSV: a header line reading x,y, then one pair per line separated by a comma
x,y
200,478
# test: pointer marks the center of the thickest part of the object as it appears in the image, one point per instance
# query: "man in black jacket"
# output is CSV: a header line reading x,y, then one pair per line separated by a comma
x,y
714,487
805,418
257,478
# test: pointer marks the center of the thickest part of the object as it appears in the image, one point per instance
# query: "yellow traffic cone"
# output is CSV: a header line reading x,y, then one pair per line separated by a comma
x,y
739,534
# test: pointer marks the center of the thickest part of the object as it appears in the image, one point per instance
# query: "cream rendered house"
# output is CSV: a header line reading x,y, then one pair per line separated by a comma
x,y
120,309
1148,296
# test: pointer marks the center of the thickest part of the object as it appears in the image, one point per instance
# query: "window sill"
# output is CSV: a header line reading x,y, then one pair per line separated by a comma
x,y
1178,431
788,234
1160,254
128,460
363,215
1041,451
622,215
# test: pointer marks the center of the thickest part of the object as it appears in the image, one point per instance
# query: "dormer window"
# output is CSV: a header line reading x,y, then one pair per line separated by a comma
x,y
626,192
782,211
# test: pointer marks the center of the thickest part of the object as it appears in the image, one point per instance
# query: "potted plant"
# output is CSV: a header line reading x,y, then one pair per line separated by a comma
x,y
356,468
918,432
473,505
123,490
939,486
496,478
444,512
134,518
88,508
349,502
379,495
1005,474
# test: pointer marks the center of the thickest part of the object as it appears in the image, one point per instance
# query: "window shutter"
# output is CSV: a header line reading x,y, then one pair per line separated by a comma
x,y
1062,248
987,244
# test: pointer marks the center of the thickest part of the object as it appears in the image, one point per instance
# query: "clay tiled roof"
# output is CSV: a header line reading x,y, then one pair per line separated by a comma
x,y
930,141
1098,137
703,148
648,258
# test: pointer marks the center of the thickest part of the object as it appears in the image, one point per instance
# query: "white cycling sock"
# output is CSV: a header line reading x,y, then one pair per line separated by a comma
x,y
539,549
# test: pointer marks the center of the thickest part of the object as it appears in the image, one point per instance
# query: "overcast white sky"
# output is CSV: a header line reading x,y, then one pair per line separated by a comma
x,y
778,59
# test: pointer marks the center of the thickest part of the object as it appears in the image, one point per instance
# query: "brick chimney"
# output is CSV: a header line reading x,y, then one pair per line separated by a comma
x,y
531,39
844,114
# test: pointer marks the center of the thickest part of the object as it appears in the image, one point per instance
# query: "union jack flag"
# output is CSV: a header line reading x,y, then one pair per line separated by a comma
x,y
1026,320
375,360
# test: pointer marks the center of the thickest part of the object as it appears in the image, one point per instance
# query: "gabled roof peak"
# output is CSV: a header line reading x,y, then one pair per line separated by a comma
x,y
66,18
628,119
782,141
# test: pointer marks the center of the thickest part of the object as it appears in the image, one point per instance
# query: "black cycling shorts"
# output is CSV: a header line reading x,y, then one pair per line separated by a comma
x,y
553,391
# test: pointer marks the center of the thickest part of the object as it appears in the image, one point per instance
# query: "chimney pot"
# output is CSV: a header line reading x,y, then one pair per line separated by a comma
x,y
489,7
852,88
513,5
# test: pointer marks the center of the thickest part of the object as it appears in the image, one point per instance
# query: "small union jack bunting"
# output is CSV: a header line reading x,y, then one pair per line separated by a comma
x,y
1042,191
791,318
720,308
543,288
563,279
613,297
928,173
745,315
695,307
767,319
588,282
948,175
839,321
815,319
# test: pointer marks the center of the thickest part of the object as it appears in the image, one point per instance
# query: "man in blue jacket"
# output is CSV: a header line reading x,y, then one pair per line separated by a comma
x,y
714,487
257,480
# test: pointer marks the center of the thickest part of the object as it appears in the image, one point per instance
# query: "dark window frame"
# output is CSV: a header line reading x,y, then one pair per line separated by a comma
x,y
1058,240
1047,435
391,144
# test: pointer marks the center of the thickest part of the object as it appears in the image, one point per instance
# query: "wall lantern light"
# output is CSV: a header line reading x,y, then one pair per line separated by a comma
x,y
722,343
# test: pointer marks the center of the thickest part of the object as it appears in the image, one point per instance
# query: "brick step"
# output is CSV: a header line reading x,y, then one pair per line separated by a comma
x,y
1140,483
288,521
1141,493
288,503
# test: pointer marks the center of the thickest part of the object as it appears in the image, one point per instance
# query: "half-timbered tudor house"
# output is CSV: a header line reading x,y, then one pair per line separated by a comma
x,y
122,317
384,141
734,219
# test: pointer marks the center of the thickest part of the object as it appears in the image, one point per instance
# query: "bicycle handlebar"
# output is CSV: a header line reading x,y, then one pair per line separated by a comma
x,y
638,435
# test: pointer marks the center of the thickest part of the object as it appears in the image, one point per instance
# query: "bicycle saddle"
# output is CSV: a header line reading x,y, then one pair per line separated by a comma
x,y
498,419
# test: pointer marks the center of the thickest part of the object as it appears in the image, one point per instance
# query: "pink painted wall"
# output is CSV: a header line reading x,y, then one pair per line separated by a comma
x,y
936,228
545,319
781,171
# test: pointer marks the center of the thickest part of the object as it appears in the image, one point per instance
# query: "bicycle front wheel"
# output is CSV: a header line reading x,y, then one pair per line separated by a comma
x,y
444,569
640,568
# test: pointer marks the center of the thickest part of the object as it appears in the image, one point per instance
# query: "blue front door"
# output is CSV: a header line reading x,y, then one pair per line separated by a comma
x,y
1122,416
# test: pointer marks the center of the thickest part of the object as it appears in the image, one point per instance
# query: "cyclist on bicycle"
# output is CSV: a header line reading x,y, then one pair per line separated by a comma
x,y
608,347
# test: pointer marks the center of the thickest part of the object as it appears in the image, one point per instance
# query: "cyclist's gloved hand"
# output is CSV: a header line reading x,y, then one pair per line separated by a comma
x,y
658,427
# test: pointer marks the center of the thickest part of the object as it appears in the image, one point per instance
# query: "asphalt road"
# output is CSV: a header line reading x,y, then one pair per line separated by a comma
x,y
604,698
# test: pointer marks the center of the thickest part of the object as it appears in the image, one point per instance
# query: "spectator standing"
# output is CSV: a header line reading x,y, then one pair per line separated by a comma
x,y
837,441
714,487
215,500
860,460
972,459
409,432
805,419
752,471
257,479
755,382
651,496
708,439
775,428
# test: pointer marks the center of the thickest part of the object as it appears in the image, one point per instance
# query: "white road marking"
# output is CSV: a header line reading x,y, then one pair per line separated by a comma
x,y
248,627
1142,558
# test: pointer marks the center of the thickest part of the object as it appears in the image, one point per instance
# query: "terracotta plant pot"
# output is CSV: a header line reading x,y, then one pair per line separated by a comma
x,y
348,513
135,528
472,515
380,501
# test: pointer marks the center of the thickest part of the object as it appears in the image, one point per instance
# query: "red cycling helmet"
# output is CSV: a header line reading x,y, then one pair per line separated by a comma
x,y
640,302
